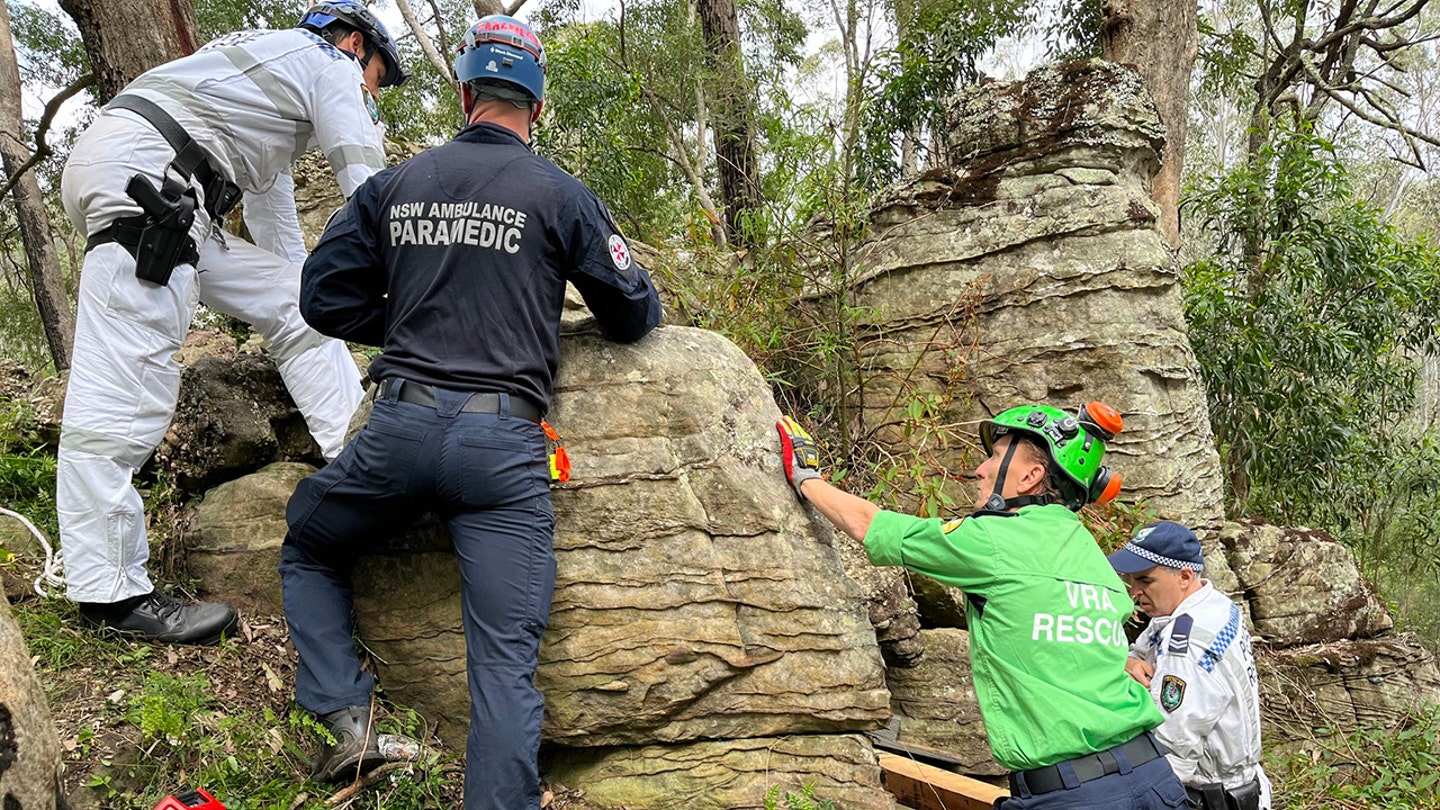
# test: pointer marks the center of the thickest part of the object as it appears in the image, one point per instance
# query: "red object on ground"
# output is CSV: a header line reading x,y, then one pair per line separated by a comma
x,y
196,799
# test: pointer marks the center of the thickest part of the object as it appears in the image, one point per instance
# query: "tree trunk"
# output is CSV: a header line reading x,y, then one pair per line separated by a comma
x,y
125,38
30,753
731,117
1159,39
30,210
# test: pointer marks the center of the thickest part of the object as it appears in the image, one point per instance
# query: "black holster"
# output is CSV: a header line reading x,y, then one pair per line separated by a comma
x,y
1217,797
159,239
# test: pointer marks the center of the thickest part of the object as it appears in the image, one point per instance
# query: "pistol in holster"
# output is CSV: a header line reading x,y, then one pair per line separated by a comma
x,y
159,238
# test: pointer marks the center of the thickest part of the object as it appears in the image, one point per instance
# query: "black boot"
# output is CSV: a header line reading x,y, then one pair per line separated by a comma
x,y
161,617
355,749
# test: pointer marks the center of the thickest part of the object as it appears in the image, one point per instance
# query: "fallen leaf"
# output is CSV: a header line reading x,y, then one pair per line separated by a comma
x,y
271,679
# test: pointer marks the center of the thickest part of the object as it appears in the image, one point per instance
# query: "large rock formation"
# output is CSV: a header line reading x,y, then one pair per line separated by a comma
x,y
1302,586
697,604
1326,650
935,705
1037,243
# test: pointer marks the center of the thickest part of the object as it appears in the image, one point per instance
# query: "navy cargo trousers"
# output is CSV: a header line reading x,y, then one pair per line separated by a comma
x,y
486,475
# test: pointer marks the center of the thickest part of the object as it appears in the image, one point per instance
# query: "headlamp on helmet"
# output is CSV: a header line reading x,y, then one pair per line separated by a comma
x,y
1073,445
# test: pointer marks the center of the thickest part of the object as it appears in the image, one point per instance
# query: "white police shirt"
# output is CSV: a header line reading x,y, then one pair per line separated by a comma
x,y
255,101
1206,686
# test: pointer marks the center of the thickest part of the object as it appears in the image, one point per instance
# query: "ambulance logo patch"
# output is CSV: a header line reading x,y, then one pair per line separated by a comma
x,y
371,106
619,252
1172,693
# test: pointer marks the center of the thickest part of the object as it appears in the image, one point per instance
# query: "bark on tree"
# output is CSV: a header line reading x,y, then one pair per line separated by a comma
x,y
1159,39
125,38
44,264
731,116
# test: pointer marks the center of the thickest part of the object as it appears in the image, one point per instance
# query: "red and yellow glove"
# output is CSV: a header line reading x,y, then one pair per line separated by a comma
x,y
798,455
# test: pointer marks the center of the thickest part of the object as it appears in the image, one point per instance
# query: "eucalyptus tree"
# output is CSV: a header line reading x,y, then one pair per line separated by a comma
x,y
33,219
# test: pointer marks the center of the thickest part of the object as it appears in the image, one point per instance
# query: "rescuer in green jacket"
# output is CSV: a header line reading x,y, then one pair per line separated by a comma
x,y
1045,610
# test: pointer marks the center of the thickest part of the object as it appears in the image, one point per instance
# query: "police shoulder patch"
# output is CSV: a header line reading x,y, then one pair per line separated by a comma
x,y
371,106
1172,693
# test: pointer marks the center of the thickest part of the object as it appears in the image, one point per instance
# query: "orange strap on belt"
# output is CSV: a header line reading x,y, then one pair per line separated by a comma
x,y
559,459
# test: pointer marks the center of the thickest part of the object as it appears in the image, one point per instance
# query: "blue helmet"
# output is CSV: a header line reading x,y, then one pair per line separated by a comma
x,y
502,49
357,16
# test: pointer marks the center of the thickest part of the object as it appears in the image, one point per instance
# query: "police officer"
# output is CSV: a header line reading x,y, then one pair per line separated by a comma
x,y
1195,658
455,262
148,183
1046,614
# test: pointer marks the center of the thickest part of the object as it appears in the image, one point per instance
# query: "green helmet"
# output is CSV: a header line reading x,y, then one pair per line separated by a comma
x,y
1074,445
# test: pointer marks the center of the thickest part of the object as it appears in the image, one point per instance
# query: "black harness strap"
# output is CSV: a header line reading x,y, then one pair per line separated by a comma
x,y
220,194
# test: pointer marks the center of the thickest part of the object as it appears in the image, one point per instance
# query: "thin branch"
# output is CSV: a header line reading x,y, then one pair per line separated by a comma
x,y
1390,121
435,17
426,44
42,149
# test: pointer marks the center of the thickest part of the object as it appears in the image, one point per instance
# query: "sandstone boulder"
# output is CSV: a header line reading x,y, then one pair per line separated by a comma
x,y
234,537
887,595
1343,685
1302,586
1038,243
696,599
728,774
936,705
234,416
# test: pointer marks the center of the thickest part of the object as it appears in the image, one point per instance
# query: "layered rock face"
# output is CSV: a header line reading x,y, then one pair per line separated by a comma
x,y
704,639
1037,243
1326,648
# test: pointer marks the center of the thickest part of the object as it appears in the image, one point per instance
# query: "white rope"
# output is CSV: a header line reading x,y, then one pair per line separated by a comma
x,y
50,575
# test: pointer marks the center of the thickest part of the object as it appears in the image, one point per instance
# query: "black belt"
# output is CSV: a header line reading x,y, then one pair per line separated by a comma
x,y
480,402
221,195
1138,751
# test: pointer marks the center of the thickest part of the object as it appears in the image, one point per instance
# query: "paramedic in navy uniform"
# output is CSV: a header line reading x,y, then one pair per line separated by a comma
x,y
455,262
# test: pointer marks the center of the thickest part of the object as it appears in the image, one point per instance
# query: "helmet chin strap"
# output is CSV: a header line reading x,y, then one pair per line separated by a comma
x,y
999,503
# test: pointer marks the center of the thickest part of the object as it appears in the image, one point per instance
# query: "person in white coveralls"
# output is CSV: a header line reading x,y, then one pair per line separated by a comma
x,y
149,183
1196,659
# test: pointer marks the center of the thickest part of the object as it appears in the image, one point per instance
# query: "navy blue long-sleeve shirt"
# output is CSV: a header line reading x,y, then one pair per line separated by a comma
x,y
455,263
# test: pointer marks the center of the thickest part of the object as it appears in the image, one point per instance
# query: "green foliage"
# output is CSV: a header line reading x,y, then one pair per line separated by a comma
x,y
939,44
602,128
1306,322
166,704
216,17
804,800
1397,768
47,47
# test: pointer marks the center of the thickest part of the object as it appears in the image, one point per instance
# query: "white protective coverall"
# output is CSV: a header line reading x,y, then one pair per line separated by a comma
x,y
254,101
1206,686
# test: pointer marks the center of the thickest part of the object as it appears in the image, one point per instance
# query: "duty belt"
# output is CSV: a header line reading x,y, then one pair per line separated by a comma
x,y
221,195
479,402
1048,779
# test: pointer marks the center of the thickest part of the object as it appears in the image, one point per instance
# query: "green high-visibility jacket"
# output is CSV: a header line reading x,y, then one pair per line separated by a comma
x,y
1046,614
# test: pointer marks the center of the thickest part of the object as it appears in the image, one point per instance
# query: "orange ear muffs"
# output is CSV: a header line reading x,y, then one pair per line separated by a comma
x,y
1105,487
1104,417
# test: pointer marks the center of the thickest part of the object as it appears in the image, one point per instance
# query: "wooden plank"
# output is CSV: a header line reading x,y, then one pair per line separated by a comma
x,y
925,787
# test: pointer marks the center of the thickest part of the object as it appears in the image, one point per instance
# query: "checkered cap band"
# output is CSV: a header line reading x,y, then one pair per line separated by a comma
x,y
1162,560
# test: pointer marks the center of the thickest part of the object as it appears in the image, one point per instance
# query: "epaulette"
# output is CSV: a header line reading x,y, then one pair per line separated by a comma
x,y
1180,634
